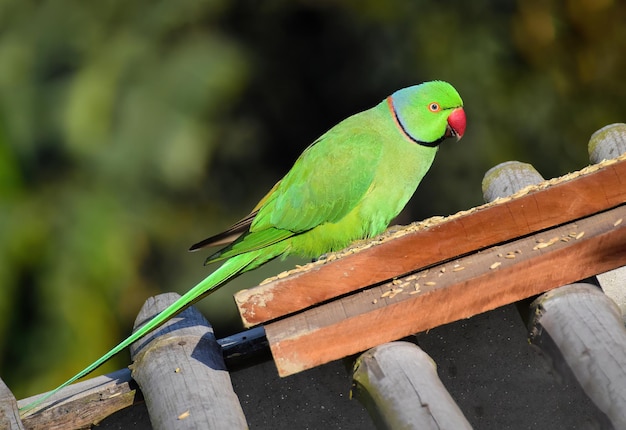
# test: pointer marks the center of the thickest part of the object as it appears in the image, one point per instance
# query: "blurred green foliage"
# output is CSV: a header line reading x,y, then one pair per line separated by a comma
x,y
130,130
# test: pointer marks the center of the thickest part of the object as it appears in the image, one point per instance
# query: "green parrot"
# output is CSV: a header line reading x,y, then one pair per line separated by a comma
x,y
348,185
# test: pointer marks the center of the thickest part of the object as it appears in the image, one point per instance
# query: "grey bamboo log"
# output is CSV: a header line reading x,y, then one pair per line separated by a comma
x,y
580,329
397,383
9,414
181,372
607,143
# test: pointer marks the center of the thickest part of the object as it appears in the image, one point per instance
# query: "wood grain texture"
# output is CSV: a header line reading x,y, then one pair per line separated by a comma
x,y
607,143
550,204
580,329
451,291
182,374
397,383
82,405
9,414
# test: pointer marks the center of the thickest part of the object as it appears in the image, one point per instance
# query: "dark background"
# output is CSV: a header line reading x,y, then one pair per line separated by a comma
x,y
129,130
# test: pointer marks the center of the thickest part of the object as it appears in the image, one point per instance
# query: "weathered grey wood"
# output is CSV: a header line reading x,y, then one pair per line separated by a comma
x,y
504,180
508,178
83,404
580,329
9,414
613,283
575,352
397,383
606,143
182,374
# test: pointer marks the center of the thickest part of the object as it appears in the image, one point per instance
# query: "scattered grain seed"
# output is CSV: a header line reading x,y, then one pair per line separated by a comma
x,y
618,222
417,287
385,294
443,270
565,239
177,370
509,256
495,265
410,278
396,282
430,283
458,269
184,415
579,235
572,234
395,292
500,255
374,301
546,244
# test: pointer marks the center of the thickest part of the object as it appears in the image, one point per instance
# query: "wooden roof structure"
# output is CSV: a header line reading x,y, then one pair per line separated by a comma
x,y
532,239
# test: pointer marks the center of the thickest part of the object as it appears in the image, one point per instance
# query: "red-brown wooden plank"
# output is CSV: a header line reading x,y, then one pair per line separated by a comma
x,y
595,189
489,279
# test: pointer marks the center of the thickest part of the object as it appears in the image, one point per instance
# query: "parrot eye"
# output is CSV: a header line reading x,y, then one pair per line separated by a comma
x,y
434,107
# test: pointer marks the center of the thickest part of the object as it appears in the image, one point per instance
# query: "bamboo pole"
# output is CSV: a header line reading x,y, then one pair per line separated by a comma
x,y
397,383
182,374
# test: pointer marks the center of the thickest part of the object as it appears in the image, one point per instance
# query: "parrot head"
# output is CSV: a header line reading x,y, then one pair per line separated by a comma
x,y
429,113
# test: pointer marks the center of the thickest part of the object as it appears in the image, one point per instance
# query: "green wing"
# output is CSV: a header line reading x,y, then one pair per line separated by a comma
x,y
326,182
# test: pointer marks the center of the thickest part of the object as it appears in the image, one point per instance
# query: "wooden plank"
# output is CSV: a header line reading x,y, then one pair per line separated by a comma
x,y
594,189
84,404
397,383
9,414
181,372
580,329
451,291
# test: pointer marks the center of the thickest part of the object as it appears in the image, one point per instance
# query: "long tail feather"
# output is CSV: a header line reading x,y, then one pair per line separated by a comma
x,y
227,271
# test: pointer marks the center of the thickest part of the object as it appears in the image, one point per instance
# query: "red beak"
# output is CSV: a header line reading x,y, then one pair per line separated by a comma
x,y
456,124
